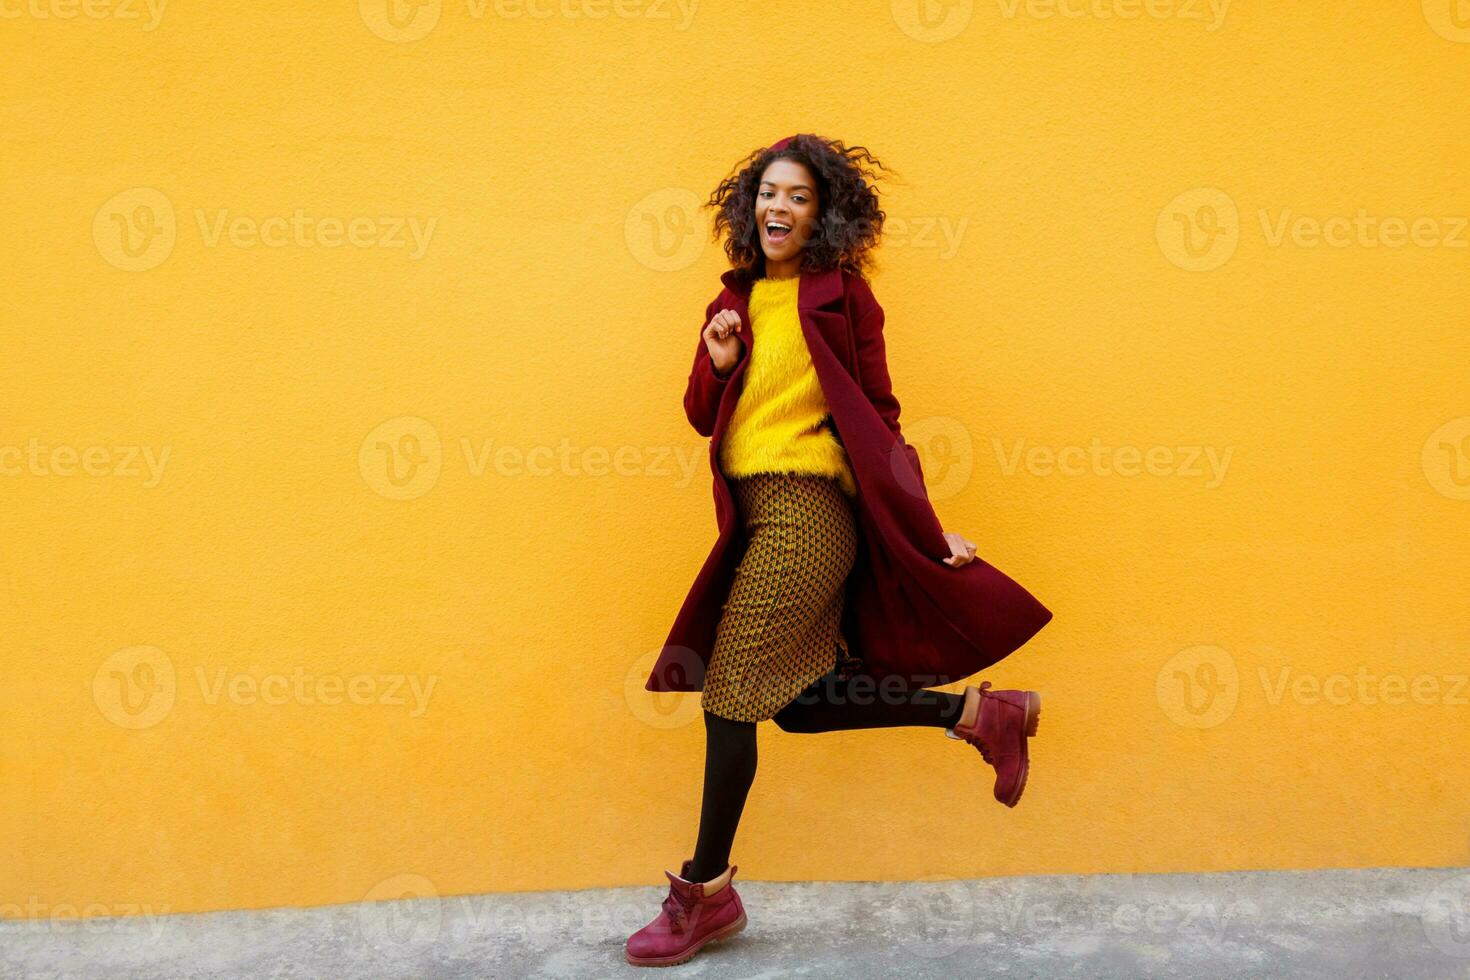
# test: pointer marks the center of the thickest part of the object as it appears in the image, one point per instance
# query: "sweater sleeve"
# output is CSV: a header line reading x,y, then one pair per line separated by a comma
x,y
872,359
702,393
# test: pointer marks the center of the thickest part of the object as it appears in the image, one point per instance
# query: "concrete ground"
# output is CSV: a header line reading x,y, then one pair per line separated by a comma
x,y
1334,924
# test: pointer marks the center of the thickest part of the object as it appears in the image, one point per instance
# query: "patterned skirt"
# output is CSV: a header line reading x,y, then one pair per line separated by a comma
x,y
781,628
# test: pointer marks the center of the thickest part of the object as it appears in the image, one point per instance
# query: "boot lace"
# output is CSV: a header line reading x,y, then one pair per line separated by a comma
x,y
677,908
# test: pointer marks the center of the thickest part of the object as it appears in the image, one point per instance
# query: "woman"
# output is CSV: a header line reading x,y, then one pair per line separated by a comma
x,y
831,572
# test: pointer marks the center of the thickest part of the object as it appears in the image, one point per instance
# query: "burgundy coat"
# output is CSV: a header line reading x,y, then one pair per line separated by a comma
x,y
905,613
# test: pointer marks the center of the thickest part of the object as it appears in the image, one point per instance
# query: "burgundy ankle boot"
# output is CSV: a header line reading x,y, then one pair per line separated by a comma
x,y
688,922
1002,725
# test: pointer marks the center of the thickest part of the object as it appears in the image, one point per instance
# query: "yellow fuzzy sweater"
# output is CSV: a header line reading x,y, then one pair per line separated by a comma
x,y
776,425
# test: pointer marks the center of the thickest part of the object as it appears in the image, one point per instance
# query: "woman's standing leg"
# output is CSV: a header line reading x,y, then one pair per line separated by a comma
x,y
729,770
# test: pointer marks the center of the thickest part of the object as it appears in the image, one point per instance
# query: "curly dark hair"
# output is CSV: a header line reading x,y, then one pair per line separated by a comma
x,y
850,222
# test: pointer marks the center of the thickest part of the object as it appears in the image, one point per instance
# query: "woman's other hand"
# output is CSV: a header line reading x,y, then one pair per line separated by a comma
x,y
723,342
963,550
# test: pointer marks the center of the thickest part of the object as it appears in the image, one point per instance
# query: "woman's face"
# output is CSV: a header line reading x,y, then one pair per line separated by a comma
x,y
786,209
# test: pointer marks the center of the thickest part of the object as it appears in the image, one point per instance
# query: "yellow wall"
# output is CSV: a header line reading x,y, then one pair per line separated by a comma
x,y
1262,443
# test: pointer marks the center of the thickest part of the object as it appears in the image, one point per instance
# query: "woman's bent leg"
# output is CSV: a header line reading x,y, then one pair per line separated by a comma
x,y
830,705
729,770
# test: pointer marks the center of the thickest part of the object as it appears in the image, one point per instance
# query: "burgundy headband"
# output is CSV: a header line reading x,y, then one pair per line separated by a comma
x,y
782,144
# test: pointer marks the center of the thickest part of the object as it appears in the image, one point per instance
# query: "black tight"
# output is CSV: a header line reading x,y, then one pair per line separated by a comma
x,y
828,705
729,769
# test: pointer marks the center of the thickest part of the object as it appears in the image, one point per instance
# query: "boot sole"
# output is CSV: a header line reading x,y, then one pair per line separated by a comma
x,y
725,932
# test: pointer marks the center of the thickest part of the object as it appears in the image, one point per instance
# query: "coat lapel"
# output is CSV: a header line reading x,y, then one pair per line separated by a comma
x,y
815,291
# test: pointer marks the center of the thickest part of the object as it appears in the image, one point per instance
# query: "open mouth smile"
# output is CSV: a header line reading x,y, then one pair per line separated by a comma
x,y
777,232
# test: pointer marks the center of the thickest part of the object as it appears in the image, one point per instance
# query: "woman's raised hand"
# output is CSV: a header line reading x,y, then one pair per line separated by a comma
x,y
723,342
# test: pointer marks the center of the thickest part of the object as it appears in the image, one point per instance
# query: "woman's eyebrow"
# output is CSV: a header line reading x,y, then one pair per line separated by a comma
x,y
795,187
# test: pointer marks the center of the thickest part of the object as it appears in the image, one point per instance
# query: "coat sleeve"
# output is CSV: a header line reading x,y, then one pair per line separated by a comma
x,y
702,394
872,360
